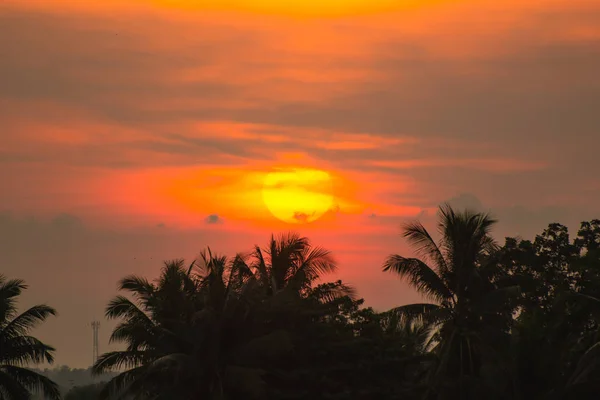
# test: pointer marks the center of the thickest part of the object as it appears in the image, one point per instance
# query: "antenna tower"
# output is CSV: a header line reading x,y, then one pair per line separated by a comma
x,y
95,329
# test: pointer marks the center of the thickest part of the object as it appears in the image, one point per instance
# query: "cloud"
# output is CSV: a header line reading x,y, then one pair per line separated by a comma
x,y
213,219
488,164
380,86
434,113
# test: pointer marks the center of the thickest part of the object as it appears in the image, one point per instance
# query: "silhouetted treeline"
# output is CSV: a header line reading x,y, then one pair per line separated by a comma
x,y
79,380
511,321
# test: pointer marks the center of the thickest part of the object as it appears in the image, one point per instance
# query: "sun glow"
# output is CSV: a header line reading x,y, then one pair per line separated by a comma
x,y
298,195
294,7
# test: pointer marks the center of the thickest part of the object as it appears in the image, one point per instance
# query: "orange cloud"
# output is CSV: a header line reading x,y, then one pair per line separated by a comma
x,y
291,8
492,165
206,97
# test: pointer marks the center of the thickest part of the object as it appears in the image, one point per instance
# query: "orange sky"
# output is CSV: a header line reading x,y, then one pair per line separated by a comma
x,y
137,131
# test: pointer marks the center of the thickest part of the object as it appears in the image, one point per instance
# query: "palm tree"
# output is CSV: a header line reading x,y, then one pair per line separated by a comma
x,y
18,348
285,272
189,335
291,264
461,280
147,327
415,334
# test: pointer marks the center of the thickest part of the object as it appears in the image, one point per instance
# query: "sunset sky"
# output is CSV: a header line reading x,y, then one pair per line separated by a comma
x,y
137,131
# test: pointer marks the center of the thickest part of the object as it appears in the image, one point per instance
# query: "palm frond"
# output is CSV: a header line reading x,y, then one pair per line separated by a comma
x,y
420,276
11,389
418,236
122,307
414,332
136,335
329,292
9,290
140,287
191,267
117,387
202,263
174,363
465,236
22,350
261,266
32,381
587,363
239,271
28,320
116,360
427,312
317,261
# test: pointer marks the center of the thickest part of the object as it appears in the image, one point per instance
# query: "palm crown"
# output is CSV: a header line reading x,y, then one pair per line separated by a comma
x,y
204,328
290,261
18,348
459,275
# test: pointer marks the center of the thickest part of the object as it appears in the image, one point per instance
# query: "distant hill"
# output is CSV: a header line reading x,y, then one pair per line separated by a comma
x,y
67,378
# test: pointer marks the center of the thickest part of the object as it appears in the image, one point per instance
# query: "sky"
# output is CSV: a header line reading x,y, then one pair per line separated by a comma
x,y
141,131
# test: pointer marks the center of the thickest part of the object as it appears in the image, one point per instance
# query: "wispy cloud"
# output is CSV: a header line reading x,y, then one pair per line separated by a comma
x,y
489,164
386,92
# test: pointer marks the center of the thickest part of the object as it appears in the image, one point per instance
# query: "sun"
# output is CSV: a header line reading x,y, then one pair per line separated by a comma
x,y
298,195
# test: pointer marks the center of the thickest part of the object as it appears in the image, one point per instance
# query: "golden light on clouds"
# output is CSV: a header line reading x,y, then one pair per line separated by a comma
x,y
288,8
298,195
299,8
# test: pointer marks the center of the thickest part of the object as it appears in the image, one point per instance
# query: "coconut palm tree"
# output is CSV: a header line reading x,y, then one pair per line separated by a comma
x,y
415,334
18,348
189,335
459,277
290,262
286,272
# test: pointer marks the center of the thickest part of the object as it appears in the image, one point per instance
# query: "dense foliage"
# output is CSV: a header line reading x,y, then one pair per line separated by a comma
x,y
91,391
78,382
512,321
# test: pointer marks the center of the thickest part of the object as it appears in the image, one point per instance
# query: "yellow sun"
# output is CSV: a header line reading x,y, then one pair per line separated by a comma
x,y
298,195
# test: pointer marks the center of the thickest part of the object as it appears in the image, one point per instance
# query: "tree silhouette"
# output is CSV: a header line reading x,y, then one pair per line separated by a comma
x,y
18,348
291,263
86,392
554,343
190,334
521,321
461,280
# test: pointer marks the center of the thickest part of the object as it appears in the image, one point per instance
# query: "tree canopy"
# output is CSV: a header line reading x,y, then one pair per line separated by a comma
x,y
517,320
